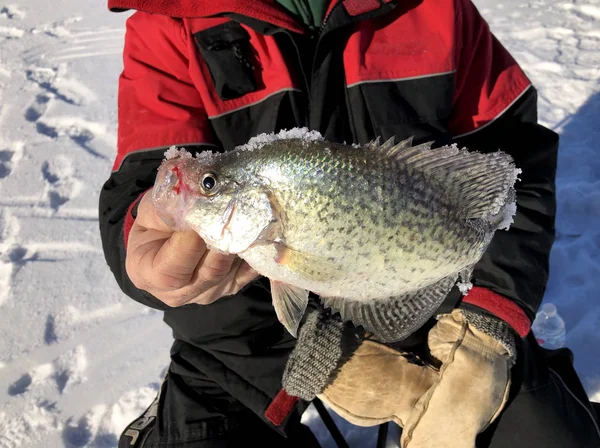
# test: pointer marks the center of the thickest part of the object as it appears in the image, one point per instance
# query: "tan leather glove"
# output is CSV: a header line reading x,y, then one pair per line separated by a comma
x,y
436,408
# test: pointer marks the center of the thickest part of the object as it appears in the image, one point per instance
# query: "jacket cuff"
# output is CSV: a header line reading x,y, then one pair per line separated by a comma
x,y
500,307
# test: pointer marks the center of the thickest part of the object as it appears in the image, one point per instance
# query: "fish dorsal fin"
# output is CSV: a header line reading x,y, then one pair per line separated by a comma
x,y
387,145
374,144
478,183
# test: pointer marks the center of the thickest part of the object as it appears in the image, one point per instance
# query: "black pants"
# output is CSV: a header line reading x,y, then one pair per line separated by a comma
x,y
548,408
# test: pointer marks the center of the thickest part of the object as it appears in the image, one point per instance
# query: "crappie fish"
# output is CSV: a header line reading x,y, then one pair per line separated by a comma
x,y
380,232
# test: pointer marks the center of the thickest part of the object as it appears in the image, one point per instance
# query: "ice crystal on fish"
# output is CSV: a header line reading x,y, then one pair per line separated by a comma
x,y
296,133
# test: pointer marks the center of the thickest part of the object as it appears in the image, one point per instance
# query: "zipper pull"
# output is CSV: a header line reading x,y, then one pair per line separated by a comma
x,y
313,32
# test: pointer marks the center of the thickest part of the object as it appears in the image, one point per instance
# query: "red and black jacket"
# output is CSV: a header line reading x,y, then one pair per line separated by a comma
x,y
200,73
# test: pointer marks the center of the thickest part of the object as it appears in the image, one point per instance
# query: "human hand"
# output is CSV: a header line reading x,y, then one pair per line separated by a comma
x,y
177,267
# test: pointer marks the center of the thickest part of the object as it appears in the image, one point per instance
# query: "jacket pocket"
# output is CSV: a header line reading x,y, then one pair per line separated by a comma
x,y
418,107
229,56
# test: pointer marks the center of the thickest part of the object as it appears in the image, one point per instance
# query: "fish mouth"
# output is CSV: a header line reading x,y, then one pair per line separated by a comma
x,y
166,184
171,193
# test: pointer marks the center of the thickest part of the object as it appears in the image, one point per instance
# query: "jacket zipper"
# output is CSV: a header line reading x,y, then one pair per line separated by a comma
x,y
309,81
316,36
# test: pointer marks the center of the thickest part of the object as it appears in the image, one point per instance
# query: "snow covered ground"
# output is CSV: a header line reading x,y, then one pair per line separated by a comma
x,y
78,360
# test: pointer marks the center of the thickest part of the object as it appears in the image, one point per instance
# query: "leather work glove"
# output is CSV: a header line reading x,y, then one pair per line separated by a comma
x,y
444,403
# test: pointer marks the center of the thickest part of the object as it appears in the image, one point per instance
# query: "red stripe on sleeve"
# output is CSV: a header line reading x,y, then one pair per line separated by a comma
x,y
129,219
501,307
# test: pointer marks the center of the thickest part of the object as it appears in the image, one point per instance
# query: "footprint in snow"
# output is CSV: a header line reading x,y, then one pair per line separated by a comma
x,y
12,12
20,386
82,132
36,418
70,368
6,157
9,158
38,376
38,107
63,373
56,82
62,185
50,336
99,427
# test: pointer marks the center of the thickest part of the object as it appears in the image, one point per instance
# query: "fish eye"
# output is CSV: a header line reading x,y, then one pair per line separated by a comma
x,y
208,184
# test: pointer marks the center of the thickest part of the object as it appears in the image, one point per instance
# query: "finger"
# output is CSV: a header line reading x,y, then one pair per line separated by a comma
x,y
238,276
244,275
205,287
176,261
141,252
215,267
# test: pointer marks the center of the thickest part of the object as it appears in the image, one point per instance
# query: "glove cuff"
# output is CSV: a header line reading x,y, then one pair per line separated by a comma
x,y
494,328
324,344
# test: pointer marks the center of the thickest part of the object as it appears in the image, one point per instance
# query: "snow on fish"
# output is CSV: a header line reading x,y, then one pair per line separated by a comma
x,y
380,232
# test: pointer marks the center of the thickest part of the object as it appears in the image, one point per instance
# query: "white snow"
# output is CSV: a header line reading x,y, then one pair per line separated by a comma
x,y
11,32
255,142
79,360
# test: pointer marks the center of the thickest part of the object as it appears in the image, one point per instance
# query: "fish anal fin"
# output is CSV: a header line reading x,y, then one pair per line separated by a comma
x,y
395,318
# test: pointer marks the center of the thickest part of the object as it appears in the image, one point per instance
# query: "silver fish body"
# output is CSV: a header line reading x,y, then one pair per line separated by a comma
x,y
379,232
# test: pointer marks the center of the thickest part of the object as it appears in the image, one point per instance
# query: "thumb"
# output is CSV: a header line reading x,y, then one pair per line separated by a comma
x,y
148,217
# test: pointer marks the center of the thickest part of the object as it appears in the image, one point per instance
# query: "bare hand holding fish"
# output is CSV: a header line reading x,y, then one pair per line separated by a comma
x,y
177,267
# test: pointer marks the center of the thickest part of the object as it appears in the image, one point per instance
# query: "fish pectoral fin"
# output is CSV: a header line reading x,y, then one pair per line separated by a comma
x,y
310,266
273,231
290,304
396,318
